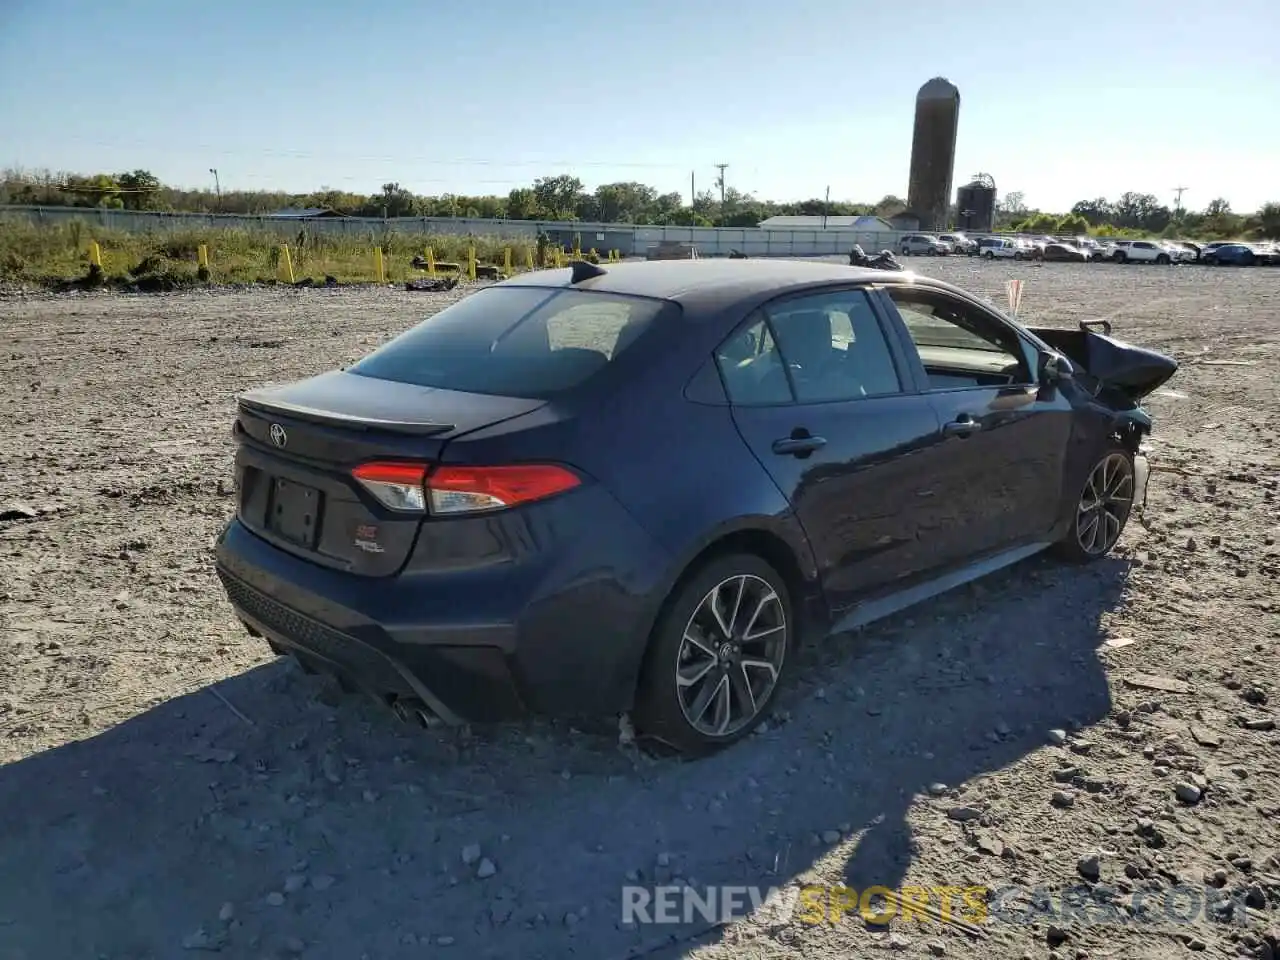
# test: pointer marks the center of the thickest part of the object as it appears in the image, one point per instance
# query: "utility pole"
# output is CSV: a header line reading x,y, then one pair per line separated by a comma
x,y
826,206
693,190
217,186
1177,200
720,183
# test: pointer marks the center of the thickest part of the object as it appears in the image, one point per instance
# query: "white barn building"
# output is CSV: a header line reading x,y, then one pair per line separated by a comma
x,y
862,223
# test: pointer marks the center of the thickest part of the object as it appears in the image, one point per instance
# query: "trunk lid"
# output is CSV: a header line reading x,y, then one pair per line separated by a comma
x,y
1132,371
299,442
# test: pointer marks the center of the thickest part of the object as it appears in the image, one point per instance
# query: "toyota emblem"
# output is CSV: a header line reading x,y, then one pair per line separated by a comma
x,y
278,436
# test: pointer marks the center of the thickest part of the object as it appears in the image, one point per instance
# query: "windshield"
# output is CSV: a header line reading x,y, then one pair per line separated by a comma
x,y
515,341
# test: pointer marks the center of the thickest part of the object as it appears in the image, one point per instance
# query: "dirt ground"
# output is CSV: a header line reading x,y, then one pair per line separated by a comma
x,y
168,787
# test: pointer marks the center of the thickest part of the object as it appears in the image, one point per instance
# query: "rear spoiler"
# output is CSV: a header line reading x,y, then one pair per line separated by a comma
x,y
1134,371
330,418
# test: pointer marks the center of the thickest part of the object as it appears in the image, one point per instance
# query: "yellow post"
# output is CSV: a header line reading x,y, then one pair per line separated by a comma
x,y
471,263
506,261
286,262
95,254
528,258
379,267
577,246
202,256
559,257
431,263
594,254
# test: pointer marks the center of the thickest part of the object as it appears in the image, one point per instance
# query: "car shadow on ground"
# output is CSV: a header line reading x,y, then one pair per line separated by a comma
x,y
259,819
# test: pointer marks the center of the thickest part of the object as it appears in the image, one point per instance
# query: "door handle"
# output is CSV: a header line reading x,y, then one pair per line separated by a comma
x,y
798,446
961,427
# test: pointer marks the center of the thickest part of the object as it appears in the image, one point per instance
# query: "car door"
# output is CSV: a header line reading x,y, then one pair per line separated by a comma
x,y
820,394
1001,468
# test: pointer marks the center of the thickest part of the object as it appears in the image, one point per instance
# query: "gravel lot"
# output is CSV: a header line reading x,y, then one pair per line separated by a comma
x,y
167,786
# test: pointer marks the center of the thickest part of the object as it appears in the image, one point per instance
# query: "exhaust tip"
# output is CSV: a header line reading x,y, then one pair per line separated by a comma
x,y
415,712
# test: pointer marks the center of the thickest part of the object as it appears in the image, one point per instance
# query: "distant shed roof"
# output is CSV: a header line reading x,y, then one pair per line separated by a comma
x,y
304,213
812,222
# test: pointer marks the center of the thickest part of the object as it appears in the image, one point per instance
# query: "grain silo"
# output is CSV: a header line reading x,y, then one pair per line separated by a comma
x,y
933,153
976,204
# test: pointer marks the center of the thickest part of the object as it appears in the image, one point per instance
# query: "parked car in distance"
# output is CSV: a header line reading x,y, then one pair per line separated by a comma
x,y
1240,255
1065,252
1178,252
923,244
1105,250
1141,251
1268,253
1001,248
492,514
960,243
1032,247
1091,248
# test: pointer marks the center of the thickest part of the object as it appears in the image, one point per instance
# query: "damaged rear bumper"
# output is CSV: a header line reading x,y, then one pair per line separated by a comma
x,y
1141,476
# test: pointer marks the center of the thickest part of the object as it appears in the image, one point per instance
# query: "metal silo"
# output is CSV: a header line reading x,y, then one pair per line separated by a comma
x,y
976,204
933,152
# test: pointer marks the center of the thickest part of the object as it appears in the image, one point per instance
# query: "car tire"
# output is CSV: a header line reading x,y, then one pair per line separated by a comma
x,y
1163,260
702,689
933,252
1119,257
989,255
1102,508
1018,255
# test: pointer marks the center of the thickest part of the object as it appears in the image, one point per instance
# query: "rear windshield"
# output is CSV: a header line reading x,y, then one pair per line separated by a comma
x,y
515,341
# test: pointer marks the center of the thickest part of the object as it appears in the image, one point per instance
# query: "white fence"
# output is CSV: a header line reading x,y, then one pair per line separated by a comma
x,y
630,239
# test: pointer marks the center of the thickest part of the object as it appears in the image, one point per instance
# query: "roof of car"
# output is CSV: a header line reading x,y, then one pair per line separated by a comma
x,y
711,280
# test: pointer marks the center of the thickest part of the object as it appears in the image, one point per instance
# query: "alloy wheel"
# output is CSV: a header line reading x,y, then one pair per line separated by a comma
x,y
1105,505
731,655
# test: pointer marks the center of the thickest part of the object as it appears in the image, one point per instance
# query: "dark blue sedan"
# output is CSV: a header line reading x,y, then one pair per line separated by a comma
x,y
1232,255
596,491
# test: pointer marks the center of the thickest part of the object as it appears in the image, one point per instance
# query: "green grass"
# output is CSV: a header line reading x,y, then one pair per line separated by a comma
x,y
54,255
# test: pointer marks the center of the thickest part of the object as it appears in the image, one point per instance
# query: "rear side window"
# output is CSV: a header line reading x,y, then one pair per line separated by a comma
x,y
515,341
752,367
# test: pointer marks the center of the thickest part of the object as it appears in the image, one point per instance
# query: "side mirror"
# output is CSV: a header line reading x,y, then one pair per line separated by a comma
x,y
1055,369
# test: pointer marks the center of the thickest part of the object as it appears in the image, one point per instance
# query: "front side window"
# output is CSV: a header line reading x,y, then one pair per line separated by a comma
x,y
834,347
959,344
515,341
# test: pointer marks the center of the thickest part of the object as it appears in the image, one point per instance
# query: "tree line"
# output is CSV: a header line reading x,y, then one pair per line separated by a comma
x,y
1142,214
564,197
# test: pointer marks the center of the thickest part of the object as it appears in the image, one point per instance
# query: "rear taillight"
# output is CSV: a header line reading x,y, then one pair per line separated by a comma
x,y
396,485
454,490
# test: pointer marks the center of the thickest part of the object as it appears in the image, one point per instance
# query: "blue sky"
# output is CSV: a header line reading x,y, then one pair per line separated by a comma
x,y
1059,101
